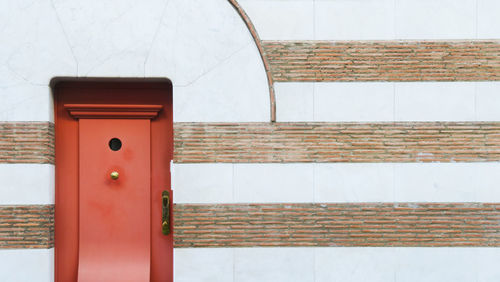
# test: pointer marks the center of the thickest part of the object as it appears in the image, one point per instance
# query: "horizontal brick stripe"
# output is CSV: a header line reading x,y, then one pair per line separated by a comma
x,y
250,225
27,226
382,224
33,142
383,60
337,142
26,142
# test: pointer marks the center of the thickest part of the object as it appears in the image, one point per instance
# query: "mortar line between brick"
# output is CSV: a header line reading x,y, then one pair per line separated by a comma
x,y
314,182
393,101
476,24
314,263
393,182
232,183
475,101
234,264
314,20
314,100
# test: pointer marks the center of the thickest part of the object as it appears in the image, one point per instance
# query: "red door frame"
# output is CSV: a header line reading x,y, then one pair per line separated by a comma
x,y
117,91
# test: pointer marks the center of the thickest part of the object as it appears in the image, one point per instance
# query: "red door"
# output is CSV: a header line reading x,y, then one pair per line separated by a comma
x,y
112,167
114,236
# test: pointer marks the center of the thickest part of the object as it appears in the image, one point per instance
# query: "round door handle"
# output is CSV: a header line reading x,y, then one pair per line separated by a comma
x,y
114,175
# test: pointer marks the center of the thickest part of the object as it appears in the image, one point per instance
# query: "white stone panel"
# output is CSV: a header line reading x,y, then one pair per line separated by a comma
x,y
27,265
435,19
434,101
110,38
194,38
281,20
406,264
387,101
26,102
203,265
205,48
27,184
487,181
488,100
356,101
373,19
34,47
34,50
202,183
354,264
274,264
353,182
354,20
438,264
336,182
337,264
485,271
294,101
438,182
488,19
273,183
228,93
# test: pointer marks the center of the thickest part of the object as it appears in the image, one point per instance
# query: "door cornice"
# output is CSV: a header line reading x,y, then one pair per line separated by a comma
x,y
79,111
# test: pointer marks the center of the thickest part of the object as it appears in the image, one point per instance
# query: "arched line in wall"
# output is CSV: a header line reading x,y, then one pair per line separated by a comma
x,y
257,40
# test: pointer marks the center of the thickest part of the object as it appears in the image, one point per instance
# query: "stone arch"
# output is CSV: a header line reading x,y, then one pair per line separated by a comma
x,y
255,35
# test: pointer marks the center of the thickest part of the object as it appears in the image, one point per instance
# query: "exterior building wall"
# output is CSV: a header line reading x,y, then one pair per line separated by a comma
x,y
382,165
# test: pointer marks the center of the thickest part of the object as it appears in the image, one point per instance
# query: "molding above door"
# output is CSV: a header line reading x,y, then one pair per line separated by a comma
x,y
78,111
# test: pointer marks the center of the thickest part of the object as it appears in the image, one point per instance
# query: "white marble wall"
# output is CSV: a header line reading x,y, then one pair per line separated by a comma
x,y
336,182
27,265
206,50
202,46
387,101
27,184
337,264
374,19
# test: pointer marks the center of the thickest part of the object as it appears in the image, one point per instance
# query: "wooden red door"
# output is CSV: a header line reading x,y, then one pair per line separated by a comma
x,y
112,166
115,222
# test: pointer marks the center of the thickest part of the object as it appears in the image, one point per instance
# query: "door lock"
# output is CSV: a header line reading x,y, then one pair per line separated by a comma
x,y
165,215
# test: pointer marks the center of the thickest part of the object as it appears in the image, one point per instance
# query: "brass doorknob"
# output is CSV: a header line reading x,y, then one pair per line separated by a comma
x,y
114,175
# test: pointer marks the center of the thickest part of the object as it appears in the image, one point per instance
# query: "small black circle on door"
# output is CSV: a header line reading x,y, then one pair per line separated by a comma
x,y
115,144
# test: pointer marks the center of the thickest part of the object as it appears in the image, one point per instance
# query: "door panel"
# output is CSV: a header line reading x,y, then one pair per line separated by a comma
x,y
128,97
115,215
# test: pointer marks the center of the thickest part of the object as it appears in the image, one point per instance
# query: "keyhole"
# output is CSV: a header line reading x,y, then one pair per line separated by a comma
x,y
115,144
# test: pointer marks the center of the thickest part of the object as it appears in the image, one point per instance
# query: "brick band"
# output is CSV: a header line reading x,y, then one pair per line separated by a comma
x,y
337,142
27,226
349,225
383,61
292,142
251,225
26,142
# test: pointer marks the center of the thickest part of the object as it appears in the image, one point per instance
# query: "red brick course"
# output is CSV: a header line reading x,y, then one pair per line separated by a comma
x,y
337,142
383,60
342,225
26,142
32,142
252,225
30,226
